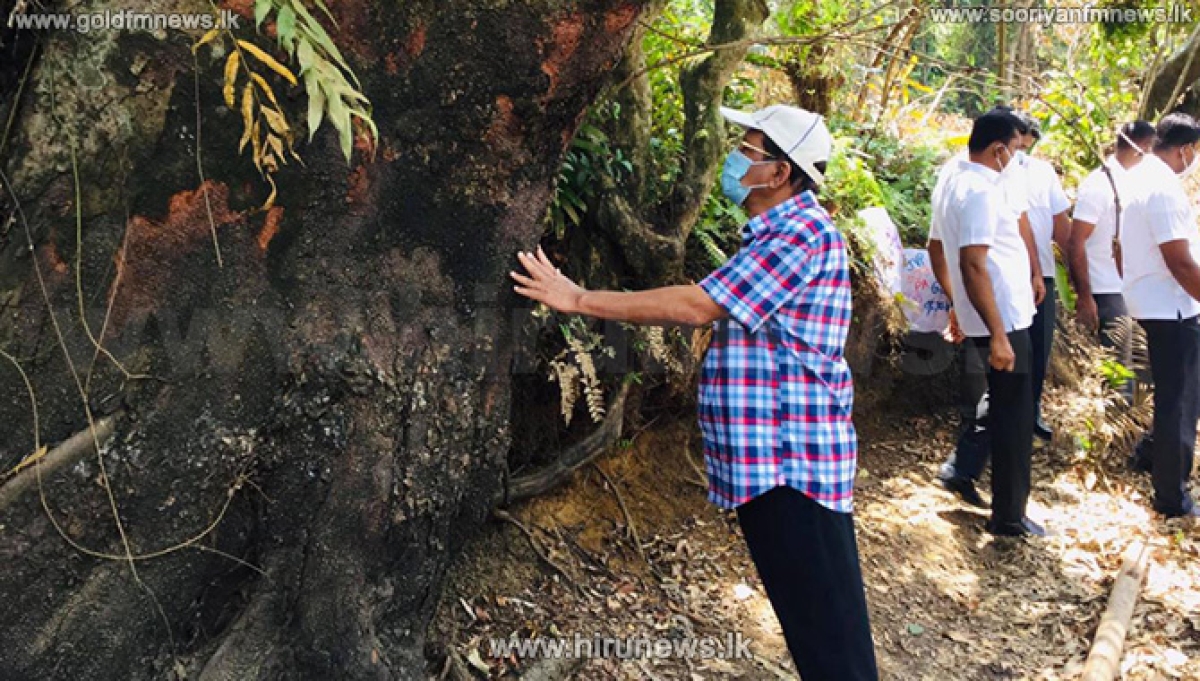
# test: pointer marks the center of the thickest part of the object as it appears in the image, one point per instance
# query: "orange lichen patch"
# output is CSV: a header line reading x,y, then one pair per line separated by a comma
x,y
243,8
564,41
357,30
270,227
156,247
414,45
391,64
50,258
505,129
359,186
619,19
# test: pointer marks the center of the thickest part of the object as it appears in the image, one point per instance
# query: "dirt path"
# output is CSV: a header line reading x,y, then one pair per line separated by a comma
x,y
947,601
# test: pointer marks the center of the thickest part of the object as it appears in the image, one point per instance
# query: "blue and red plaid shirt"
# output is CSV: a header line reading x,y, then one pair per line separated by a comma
x,y
776,394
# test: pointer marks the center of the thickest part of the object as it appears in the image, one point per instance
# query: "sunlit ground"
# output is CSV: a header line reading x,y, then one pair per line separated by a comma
x,y
947,601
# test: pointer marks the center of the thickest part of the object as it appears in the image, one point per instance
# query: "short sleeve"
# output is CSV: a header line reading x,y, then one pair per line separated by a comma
x,y
1016,189
935,221
1095,198
1059,203
978,219
1170,216
753,284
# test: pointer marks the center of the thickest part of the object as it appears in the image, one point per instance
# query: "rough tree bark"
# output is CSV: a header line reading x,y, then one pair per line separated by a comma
x,y
324,419
1176,83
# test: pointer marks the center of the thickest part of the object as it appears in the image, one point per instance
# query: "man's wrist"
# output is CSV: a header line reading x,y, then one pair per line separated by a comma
x,y
578,306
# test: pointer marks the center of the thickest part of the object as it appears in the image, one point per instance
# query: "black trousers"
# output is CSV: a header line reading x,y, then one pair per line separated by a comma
x,y
1041,334
1008,431
807,558
1174,347
971,454
1116,332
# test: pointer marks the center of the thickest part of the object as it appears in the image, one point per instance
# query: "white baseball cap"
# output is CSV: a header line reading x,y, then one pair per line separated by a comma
x,y
801,134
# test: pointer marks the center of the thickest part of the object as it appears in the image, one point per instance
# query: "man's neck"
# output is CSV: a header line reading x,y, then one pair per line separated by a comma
x,y
756,205
1128,158
986,160
1167,156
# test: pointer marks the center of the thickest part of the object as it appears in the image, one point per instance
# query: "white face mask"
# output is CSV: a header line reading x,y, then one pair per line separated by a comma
x,y
1014,161
1194,165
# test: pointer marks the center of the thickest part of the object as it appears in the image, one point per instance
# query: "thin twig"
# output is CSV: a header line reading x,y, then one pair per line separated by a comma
x,y
637,540
16,101
507,517
212,225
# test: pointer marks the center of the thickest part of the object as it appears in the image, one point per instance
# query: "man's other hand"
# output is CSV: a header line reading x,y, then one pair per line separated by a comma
x,y
1039,289
1086,313
954,332
1002,357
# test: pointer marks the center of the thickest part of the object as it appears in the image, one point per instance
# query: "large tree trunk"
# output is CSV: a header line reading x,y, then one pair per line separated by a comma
x,y
1173,86
333,401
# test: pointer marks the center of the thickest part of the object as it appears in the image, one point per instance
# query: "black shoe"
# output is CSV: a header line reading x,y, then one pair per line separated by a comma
x,y
1024,528
1193,511
964,489
1042,431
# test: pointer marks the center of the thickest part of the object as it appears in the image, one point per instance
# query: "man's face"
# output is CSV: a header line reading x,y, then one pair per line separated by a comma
x,y
1007,153
1025,142
754,146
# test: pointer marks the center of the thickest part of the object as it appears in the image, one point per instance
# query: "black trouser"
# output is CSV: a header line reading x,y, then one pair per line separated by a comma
x,y
970,456
807,558
1174,347
1041,335
1009,428
1116,332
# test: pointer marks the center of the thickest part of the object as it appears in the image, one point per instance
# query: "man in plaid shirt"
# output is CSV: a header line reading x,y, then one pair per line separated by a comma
x,y
776,394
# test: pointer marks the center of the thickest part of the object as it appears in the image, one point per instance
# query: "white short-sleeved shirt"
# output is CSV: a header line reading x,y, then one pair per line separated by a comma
x,y
948,170
1034,184
974,211
1158,212
1096,205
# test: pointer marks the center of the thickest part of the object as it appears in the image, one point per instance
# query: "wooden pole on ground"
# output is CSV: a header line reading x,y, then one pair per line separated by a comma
x,y
1104,659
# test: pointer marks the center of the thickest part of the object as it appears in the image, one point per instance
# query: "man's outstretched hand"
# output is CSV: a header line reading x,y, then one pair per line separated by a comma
x,y
546,284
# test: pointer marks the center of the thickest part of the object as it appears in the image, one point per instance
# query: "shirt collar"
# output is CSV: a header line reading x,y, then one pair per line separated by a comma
x,y
984,170
761,224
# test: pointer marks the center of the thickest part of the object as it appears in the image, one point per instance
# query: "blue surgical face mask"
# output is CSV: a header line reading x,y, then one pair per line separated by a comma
x,y
737,165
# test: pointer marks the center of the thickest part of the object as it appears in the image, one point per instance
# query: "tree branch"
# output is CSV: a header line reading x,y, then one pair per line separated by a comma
x,y
572,459
703,87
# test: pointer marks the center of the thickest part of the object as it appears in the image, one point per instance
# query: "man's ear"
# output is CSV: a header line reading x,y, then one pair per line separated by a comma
x,y
783,171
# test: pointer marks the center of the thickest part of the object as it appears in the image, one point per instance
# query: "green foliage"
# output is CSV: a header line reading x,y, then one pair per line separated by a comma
x,y
718,231
589,160
327,76
1115,374
906,173
1062,282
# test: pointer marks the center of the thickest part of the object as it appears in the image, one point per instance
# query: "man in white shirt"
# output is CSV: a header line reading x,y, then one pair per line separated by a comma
x,y
972,448
1160,246
1099,306
1046,207
980,247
